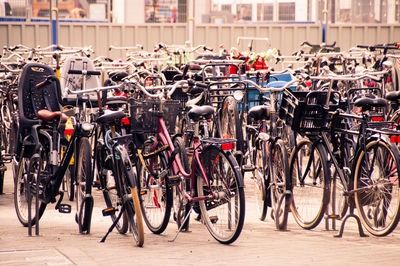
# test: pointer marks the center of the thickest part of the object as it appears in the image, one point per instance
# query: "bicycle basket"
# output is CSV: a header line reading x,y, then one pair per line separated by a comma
x,y
305,112
144,115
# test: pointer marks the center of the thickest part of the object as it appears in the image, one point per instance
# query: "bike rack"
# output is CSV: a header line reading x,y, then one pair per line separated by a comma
x,y
334,216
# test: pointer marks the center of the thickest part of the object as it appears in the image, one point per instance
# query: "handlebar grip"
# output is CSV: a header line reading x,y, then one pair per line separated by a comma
x,y
84,72
201,85
185,70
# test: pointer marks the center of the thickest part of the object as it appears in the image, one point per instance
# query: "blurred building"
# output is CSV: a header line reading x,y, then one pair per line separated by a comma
x,y
208,11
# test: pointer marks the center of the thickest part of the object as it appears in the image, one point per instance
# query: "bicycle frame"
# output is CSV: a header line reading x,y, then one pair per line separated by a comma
x,y
164,137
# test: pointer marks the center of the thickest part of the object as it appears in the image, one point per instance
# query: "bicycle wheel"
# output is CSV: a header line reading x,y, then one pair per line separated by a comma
x,y
69,182
109,188
135,217
376,185
279,186
128,192
84,179
223,214
259,179
23,180
309,177
154,193
181,210
230,126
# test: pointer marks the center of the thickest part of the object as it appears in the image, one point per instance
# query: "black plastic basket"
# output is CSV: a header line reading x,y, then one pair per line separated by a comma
x,y
144,115
306,112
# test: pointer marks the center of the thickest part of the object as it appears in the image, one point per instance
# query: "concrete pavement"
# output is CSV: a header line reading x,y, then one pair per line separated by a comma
x,y
59,242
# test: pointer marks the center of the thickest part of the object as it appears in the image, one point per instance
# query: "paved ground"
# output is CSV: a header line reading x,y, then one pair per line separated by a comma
x,y
59,243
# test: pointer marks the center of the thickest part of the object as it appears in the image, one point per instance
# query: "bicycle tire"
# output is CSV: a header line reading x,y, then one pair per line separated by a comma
x,y
20,194
2,181
225,181
84,179
154,193
280,189
135,217
181,210
127,191
109,189
69,182
230,126
260,180
310,199
376,185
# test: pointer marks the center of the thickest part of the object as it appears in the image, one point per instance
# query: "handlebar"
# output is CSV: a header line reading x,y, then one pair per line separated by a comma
x,y
85,72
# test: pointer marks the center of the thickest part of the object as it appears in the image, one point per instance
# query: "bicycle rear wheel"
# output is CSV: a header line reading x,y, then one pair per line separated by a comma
x,y
376,183
154,193
23,181
223,214
309,177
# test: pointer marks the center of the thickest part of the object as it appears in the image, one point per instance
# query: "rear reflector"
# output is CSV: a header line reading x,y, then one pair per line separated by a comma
x,y
395,139
68,131
377,118
125,121
228,146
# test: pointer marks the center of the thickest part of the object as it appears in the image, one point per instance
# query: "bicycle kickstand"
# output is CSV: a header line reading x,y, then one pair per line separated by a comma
x,y
114,224
182,225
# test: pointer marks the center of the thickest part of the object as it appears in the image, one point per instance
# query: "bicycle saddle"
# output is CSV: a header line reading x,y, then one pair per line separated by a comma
x,y
366,102
116,101
110,117
259,112
49,116
118,76
197,112
393,96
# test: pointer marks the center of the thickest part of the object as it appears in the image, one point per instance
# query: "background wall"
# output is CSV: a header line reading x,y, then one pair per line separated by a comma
x,y
286,37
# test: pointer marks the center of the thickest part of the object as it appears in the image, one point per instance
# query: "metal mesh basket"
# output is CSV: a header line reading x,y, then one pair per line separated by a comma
x,y
145,113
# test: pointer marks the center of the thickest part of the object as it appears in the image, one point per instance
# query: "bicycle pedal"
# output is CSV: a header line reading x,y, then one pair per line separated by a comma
x,y
96,184
174,180
214,219
248,168
108,211
64,208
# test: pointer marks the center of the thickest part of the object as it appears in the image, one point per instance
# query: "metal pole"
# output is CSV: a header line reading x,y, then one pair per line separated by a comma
x,y
325,22
190,20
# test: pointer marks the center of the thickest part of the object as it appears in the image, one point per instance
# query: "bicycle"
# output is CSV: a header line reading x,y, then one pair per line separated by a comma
x,y
215,181
267,157
367,168
116,175
40,171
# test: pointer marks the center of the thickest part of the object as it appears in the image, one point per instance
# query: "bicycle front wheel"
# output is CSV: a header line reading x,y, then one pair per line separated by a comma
x,y
279,186
135,217
376,185
309,177
259,179
84,179
223,213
